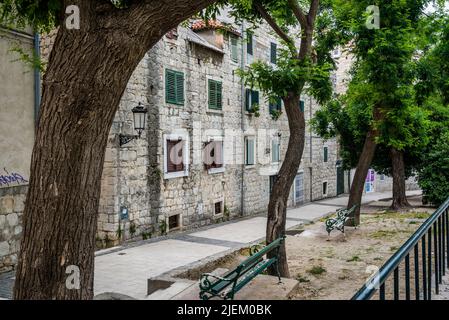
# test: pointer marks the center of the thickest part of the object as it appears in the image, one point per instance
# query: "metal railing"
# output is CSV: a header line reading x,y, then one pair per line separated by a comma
x,y
422,276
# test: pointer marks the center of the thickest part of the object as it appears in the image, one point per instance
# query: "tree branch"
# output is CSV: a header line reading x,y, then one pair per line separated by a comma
x,y
299,14
269,19
313,12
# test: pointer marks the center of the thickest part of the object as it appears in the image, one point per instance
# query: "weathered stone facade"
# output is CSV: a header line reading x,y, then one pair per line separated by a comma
x,y
134,174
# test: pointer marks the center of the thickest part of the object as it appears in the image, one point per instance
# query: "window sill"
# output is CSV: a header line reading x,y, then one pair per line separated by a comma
x,y
250,166
173,175
215,111
215,170
218,216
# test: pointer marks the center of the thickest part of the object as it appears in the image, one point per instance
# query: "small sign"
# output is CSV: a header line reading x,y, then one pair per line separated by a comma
x,y
124,213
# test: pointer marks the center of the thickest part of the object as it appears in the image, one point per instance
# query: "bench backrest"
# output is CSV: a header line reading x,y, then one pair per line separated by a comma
x,y
257,256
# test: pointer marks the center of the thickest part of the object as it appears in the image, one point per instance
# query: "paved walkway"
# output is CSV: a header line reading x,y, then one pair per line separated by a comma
x,y
126,271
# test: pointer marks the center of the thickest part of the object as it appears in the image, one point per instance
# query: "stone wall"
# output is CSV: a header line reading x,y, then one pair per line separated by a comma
x,y
11,208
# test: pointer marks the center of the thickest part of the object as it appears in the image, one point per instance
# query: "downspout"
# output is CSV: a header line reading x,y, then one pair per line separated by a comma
x,y
37,80
242,123
311,151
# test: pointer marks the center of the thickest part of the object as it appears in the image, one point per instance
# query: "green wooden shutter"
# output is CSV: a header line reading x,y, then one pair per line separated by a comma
x,y
273,53
174,87
247,100
219,96
215,94
325,154
170,86
249,151
212,94
301,105
249,44
180,88
234,50
254,98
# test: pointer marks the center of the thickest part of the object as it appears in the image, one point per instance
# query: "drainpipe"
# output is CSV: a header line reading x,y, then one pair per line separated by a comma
x,y
37,80
242,123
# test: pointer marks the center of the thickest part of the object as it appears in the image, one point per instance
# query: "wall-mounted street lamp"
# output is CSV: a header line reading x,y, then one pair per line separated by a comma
x,y
139,118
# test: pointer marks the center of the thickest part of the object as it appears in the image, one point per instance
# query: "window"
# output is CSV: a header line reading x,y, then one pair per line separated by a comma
x,y
249,151
273,53
275,151
173,222
176,156
272,181
277,106
213,156
174,87
301,105
382,177
249,43
234,48
324,188
218,208
325,154
251,98
215,95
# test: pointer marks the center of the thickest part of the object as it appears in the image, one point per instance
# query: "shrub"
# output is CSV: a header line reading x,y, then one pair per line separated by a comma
x,y
433,176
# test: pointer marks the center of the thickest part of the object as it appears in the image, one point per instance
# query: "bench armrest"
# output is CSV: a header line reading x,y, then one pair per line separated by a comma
x,y
205,282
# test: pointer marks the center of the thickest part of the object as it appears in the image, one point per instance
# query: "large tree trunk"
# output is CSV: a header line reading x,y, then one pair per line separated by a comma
x,y
277,207
87,73
358,182
398,169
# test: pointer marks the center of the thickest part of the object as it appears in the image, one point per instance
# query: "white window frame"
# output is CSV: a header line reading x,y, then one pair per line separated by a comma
x,y
253,138
185,154
222,168
179,227
222,207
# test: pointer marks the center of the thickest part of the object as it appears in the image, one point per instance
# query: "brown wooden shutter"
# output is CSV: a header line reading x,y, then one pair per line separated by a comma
x,y
177,163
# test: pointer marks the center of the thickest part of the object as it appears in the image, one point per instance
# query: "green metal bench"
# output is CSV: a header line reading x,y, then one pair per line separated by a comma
x,y
339,222
228,285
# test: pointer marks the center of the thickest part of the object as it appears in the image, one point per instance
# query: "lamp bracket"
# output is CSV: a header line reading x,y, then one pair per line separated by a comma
x,y
125,138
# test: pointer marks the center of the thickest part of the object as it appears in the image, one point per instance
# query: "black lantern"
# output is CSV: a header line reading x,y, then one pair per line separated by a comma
x,y
139,117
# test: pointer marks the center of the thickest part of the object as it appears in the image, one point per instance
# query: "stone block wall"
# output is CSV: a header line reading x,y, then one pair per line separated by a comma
x,y
12,202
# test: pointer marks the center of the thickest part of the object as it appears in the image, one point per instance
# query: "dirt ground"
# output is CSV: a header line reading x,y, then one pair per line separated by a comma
x,y
336,268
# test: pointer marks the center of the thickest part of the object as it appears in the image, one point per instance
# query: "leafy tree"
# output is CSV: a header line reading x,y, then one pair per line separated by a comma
x,y
87,72
432,91
301,67
380,91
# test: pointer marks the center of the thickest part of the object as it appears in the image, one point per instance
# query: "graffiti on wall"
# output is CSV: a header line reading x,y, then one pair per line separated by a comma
x,y
11,179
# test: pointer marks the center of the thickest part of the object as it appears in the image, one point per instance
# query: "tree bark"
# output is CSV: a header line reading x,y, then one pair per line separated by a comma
x,y
398,170
87,74
277,207
358,182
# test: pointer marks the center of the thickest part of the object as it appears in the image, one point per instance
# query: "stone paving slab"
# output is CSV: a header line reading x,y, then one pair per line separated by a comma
x,y
127,271
243,231
311,212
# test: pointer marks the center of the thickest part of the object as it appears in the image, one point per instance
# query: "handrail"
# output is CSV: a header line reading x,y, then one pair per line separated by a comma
x,y
369,288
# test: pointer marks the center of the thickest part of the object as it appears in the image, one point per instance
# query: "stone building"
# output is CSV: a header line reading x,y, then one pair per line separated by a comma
x,y
197,103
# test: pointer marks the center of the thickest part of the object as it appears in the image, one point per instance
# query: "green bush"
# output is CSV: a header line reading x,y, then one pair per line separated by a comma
x,y
433,176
